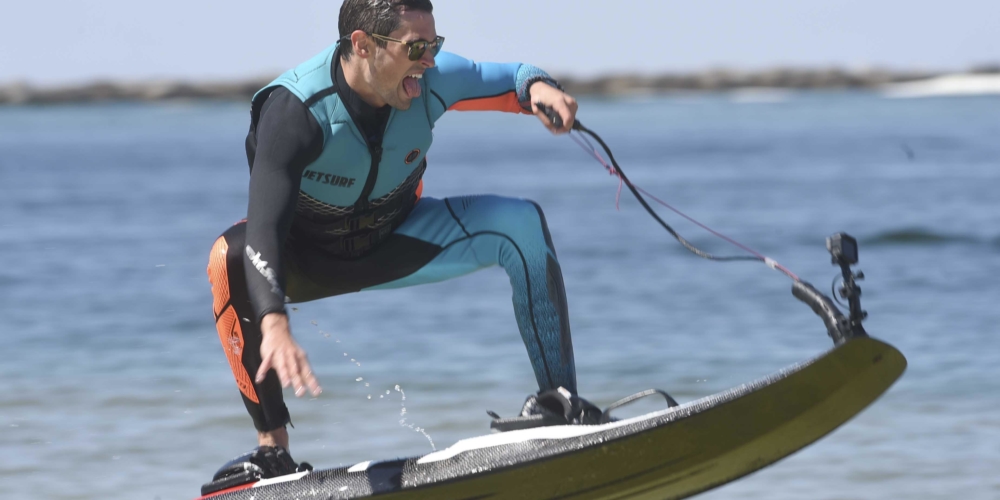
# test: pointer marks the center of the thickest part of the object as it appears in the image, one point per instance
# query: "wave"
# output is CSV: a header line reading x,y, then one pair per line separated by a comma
x,y
924,237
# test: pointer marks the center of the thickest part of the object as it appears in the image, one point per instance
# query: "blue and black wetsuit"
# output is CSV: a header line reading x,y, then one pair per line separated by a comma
x,y
336,207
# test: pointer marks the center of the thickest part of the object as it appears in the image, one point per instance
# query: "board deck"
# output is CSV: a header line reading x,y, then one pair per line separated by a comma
x,y
673,453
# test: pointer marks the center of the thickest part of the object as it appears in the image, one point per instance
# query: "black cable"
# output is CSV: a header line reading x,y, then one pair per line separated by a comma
x,y
618,170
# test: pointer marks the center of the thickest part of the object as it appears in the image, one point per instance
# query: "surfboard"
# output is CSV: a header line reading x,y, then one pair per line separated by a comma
x,y
672,453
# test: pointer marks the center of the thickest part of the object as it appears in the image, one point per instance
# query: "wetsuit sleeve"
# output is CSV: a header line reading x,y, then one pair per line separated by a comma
x,y
465,85
285,139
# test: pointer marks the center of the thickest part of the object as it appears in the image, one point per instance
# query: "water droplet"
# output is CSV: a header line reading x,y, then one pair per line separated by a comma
x,y
314,323
369,396
366,384
387,391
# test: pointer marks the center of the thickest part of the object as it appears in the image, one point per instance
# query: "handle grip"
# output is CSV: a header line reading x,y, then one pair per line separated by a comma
x,y
550,114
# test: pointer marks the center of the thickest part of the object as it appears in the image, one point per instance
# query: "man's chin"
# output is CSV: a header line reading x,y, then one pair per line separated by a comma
x,y
402,103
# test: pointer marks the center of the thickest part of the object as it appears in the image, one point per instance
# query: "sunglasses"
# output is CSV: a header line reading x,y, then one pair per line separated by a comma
x,y
417,48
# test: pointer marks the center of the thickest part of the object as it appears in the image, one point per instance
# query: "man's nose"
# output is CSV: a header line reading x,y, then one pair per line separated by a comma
x,y
427,60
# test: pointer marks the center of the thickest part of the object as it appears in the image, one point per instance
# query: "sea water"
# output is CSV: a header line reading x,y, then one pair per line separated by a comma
x,y
113,384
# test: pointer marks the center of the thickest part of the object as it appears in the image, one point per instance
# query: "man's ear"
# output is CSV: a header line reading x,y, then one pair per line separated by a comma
x,y
361,41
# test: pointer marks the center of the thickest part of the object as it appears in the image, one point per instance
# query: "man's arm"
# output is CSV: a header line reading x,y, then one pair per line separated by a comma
x,y
461,84
285,140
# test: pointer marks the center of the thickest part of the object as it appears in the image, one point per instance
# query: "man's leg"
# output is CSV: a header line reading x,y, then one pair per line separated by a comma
x,y
239,332
474,232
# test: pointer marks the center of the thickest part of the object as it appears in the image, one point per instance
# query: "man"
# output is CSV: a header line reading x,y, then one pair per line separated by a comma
x,y
336,150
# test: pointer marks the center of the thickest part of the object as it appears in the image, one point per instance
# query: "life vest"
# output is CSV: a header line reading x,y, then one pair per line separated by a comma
x,y
354,194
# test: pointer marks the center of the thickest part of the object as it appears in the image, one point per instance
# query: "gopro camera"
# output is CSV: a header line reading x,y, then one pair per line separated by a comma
x,y
843,248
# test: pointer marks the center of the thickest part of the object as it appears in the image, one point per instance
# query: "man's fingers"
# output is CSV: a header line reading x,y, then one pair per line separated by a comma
x,y
308,377
265,365
313,384
571,108
568,123
567,119
567,111
281,369
303,376
295,374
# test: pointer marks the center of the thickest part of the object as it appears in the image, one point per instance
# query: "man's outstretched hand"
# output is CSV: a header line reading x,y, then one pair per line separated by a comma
x,y
279,351
558,101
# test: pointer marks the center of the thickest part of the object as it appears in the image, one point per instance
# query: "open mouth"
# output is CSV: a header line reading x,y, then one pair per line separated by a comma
x,y
411,85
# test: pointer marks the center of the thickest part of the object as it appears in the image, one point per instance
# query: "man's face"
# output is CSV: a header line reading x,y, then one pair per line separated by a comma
x,y
395,78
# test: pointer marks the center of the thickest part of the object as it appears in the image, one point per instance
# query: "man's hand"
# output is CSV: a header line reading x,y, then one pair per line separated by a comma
x,y
556,100
278,350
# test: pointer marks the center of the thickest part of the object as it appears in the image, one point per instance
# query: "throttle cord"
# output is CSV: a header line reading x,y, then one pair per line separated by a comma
x,y
615,170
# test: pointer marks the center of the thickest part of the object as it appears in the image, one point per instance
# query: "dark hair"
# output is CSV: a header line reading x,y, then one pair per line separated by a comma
x,y
380,17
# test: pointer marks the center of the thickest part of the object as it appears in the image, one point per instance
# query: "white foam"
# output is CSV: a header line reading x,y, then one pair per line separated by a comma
x,y
947,85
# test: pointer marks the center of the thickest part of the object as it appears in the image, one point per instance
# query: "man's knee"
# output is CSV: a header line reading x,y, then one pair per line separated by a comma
x,y
516,216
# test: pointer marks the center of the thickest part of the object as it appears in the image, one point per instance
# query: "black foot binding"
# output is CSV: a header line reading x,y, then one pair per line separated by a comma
x,y
263,462
552,407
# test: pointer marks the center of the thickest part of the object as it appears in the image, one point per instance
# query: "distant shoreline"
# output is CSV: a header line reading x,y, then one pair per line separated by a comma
x,y
614,85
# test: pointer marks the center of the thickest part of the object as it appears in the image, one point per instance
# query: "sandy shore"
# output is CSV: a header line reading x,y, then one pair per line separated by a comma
x,y
891,83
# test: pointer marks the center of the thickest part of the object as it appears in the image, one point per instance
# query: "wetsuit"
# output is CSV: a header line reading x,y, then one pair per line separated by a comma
x,y
335,207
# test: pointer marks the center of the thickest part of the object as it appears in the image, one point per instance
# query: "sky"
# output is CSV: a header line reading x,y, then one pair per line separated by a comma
x,y
57,42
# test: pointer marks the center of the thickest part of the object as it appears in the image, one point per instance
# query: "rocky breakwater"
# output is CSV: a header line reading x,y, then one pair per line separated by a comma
x,y
616,85
723,80
21,93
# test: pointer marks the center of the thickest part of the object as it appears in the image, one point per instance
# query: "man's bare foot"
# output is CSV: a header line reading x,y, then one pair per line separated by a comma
x,y
276,437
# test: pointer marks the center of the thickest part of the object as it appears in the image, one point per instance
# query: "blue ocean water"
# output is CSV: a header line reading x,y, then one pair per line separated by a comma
x,y
113,384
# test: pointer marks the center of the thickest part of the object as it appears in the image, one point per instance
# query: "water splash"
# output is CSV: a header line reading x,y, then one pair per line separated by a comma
x,y
402,420
402,404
